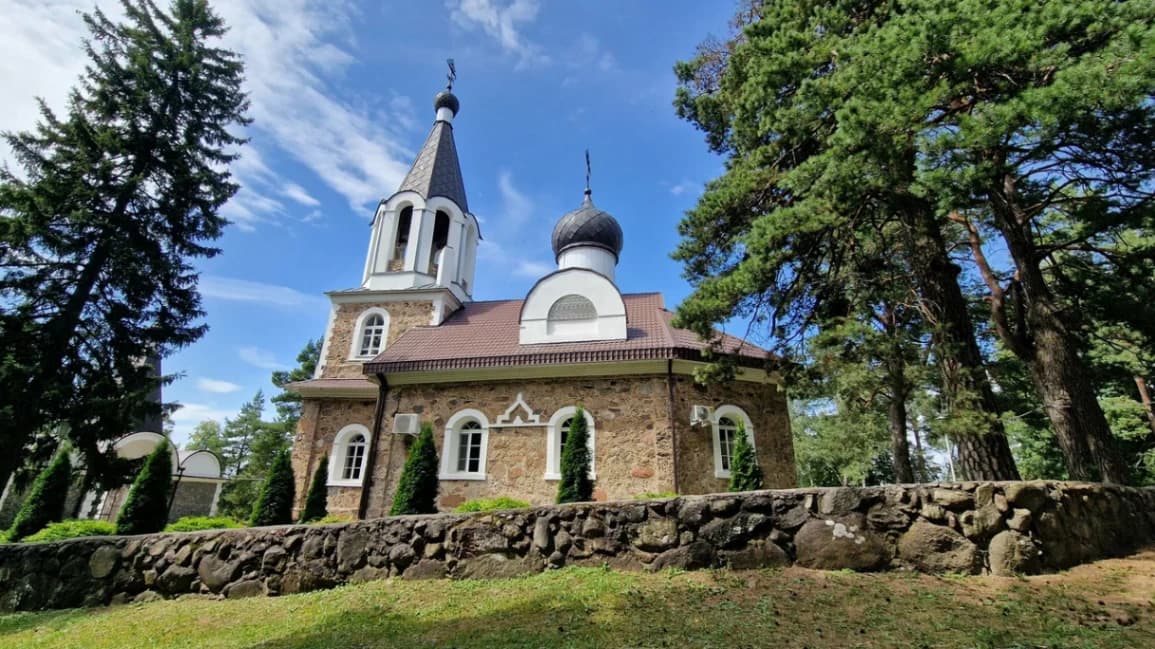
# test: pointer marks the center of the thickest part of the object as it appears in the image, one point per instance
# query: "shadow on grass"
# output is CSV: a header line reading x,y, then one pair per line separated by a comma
x,y
12,623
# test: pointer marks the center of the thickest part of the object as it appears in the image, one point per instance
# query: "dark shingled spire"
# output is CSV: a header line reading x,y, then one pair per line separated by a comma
x,y
437,172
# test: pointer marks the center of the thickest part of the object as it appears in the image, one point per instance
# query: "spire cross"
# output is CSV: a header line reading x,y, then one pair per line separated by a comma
x,y
588,190
452,76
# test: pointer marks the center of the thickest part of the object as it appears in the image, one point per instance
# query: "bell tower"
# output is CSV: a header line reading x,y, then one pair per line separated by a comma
x,y
424,235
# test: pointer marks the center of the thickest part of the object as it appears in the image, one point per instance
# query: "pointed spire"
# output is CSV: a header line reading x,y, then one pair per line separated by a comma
x,y
437,170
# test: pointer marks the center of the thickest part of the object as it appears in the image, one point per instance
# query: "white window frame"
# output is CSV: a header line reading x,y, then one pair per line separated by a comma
x,y
359,333
738,416
553,442
339,451
450,446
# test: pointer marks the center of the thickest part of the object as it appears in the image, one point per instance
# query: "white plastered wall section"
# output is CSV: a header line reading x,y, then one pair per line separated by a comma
x,y
610,323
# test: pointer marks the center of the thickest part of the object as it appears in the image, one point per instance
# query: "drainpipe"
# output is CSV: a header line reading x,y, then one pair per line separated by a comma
x,y
371,461
673,422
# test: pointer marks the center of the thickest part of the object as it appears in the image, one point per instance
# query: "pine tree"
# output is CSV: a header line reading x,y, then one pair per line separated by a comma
x,y
745,474
576,485
316,502
417,489
145,509
274,504
45,501
288,404
112,204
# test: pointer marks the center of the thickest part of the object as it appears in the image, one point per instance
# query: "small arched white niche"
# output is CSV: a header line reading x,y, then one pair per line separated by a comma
x,y
556,434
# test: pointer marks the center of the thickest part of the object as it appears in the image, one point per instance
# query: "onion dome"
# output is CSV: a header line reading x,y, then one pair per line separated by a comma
x,y
446,99
587,226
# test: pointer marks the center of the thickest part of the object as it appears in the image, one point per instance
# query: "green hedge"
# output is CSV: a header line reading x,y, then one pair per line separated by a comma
x,y
491,504
331,519
198,523
71,529
660,495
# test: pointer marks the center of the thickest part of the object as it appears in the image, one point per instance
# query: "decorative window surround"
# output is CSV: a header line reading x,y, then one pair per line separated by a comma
x,y
508,419
339,454
736,415
359,330
451,447
553,442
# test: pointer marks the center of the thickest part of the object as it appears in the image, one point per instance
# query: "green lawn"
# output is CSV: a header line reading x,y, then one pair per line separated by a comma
x,y
1109,604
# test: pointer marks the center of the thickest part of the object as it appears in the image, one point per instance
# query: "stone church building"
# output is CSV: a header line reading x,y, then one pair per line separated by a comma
x,y
500,380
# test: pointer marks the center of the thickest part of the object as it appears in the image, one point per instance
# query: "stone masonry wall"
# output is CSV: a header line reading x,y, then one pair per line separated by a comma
x,y
633,449
996,528
403,316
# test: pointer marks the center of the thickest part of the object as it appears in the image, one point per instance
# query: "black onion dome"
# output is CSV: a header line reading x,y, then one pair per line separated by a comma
x,y
446,99
587,226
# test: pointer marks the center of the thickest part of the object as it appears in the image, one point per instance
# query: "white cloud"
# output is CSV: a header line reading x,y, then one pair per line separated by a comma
x,y
532,269
502,22
216,386
260,358
243,290
591,54
295,52
298,193
683,187
188,415
516,207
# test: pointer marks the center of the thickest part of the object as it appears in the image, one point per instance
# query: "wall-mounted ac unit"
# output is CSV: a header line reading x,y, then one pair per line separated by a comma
x,y
406,424
699,416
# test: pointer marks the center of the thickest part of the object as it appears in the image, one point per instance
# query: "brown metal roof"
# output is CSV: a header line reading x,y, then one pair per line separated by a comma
x,y
485,334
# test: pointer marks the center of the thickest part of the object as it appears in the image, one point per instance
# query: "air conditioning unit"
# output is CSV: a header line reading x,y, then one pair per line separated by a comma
x,y
406,424
699,416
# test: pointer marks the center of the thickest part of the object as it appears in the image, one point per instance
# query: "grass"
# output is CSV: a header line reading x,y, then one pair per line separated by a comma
x,y
490,504
1106,605
71,529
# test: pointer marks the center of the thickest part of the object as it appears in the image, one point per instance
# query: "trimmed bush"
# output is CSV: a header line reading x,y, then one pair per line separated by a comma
x,y
745,474
331,519
45,501
274,505
71,529
417,490
661,495
316,502
145,509
490,504
198,523
576,486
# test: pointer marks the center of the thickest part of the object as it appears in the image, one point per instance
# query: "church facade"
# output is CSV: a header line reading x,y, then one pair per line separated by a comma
x,y
501,381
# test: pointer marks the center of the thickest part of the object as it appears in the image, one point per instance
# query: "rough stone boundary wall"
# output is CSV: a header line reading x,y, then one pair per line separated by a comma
x,y
997,528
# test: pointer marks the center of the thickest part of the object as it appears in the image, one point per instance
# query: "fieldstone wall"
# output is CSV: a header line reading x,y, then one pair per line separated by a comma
x,y
996,528
403,316
634,439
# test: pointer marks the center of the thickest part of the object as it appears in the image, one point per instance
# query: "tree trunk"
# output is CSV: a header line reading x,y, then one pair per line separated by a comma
x,y
983,454
896,409
1046,340
1145,399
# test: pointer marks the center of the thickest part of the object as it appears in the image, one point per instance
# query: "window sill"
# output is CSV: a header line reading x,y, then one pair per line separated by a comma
x,y
344,483
462,476
725,475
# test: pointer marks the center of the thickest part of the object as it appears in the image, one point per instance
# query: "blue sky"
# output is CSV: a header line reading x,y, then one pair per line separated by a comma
x,y
342,99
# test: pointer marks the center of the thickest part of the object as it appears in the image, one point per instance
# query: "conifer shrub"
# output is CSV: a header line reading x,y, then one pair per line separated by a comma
x,y
417,489
490,504
198,523
45,501
274,504
576,485
745,474
316,502
145,510
71,529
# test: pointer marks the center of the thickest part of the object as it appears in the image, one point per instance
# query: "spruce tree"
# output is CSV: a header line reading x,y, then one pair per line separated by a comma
x,y
576,485
316,502
45,501
274,505
417,489
745,474
103,217
145,510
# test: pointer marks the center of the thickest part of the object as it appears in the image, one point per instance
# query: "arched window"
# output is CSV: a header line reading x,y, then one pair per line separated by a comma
x,y
466,441
370,333
572,314
556,435
404,223
348,455
728,420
